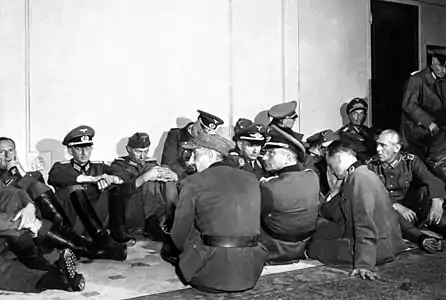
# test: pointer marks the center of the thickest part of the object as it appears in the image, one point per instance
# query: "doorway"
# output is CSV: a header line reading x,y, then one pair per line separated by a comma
x,y
395,46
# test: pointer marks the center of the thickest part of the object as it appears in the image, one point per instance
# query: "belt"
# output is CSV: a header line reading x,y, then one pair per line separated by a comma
x,y
229,241
292,238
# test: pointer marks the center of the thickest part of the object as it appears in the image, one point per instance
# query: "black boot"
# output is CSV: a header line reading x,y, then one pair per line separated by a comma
x,y
153,229
63,276
49,206
63,238
93,225
117,209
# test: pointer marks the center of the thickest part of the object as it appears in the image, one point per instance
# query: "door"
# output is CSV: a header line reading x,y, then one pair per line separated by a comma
x,y
395,46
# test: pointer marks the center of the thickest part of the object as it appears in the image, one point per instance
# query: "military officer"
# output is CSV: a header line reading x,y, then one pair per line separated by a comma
x,y
368,233
82,187
290,200
355,132
215,257
402,173
249,141
315,158
424,96
174,155
149,198
436,152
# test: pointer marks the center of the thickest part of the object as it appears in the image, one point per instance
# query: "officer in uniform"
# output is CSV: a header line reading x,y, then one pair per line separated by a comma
x,y
415,192
290,200
217,221
367,233
436,152
355,132
249,138
82,187
175,156
150,194
315,158
424,96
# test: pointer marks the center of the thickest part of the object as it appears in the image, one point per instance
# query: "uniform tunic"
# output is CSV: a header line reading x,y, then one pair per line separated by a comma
x,y
362,140
366,232
147,200
63,175
219,201
255,166
289,212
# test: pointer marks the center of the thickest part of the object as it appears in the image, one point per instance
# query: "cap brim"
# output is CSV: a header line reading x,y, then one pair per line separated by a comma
x,y
80,144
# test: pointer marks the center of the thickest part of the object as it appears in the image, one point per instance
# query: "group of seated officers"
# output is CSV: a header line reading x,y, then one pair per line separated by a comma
x,y
223,205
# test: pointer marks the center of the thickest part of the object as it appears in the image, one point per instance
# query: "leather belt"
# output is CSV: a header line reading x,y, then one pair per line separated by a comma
x,y
229,241
292,238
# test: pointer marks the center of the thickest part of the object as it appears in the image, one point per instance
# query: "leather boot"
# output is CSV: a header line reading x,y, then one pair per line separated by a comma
x,y
63,238
93,225
117,210
48,204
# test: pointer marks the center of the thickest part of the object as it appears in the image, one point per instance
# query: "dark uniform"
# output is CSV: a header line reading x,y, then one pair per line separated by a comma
x,y
20,182
217,223
254,134
361,137
411,184
64,174
424,96
367,233
282,113
436,155
174,155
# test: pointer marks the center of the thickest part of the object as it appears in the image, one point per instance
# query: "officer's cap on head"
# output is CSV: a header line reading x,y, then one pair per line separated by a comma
x,y
323,137
255,134
209,121
440,54
285,110
79,136
356,104
139,140
214,141
241,125
277,138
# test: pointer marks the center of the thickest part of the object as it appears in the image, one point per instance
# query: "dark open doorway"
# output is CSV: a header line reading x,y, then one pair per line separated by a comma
x,y
394,36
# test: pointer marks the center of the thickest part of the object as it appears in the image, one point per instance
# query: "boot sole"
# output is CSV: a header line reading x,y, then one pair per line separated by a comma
x,y
67,263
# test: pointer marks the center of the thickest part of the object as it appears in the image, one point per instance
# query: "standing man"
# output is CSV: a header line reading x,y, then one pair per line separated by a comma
x,y
249,141
424,96
415,192
368,233
355,132
175,156
150,193
290,201
82,187
217,221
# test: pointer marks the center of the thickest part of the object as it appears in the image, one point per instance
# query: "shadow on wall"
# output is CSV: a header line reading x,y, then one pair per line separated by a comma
x,y
120,147
48,152
344,115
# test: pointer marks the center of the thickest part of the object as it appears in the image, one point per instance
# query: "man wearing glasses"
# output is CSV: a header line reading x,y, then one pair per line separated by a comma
x,y
424,97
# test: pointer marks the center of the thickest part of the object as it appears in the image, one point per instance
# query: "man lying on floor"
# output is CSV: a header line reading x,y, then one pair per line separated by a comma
x,y
369,233
24,269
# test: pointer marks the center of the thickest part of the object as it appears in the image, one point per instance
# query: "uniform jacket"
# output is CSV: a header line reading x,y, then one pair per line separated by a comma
x,y
362,140
319,165
12,200
436,155
64,174
255,167
289,211
421,101
21,183
406,170
174,155
222,201
148,199
370,232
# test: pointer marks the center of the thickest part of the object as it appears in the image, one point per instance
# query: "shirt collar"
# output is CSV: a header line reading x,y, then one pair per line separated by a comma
x,y
81,169
293,168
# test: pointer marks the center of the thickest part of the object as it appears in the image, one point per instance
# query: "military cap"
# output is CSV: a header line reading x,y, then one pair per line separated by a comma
x,y
440,54
285,110
323,137
255,133
213,141
355,104
282,139
241,125
209,121
79,136
139,140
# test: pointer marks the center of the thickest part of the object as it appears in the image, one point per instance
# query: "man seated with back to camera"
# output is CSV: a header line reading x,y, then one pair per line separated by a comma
x,y
290,199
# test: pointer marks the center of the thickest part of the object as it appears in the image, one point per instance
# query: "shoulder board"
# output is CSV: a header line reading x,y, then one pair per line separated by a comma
x,y
266,179
343,128
150,160
120,158
415,72
65,162
373,159
233,153
408,156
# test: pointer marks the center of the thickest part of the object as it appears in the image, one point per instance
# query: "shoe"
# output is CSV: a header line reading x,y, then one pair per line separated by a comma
x,y
431,244
67,264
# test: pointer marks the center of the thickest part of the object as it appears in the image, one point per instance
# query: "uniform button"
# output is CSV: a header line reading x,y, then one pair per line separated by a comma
x,y
391,191
269,215
391,185
195,246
